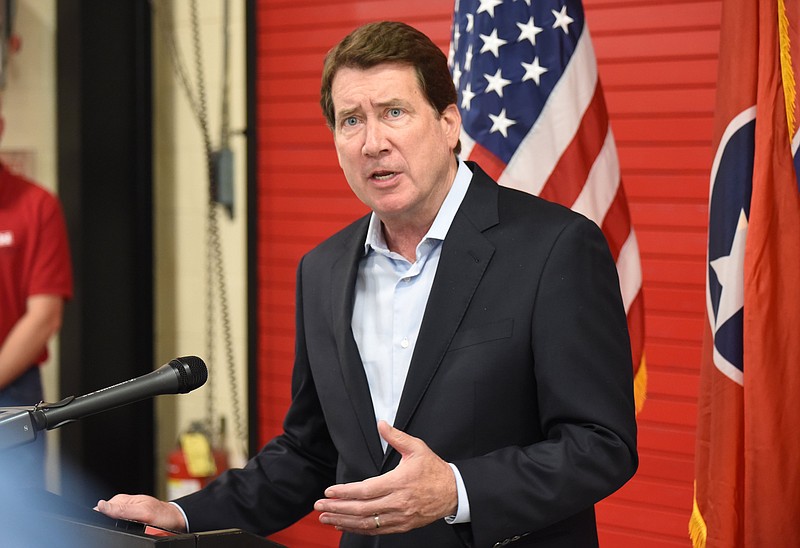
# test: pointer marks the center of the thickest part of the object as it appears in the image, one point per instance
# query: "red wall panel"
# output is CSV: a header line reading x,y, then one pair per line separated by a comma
x,y
657,61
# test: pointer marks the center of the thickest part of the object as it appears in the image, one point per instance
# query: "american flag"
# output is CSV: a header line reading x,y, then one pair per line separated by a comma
x,y
535,119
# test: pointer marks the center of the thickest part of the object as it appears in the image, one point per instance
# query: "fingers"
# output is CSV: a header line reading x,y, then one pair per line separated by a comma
x,y
375,524
370,488
360,508
121,507
352,507
418,491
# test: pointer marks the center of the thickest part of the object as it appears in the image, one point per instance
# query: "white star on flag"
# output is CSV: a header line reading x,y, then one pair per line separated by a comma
x,y
466,97
456,74
562,19
533,71
729,270
501,123
492,43
496,83
528,31
488,6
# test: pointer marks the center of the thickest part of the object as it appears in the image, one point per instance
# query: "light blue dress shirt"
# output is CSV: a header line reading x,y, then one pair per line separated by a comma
x,y
390,299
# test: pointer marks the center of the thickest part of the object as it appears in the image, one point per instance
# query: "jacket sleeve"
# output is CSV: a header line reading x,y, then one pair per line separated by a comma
x,y
280,484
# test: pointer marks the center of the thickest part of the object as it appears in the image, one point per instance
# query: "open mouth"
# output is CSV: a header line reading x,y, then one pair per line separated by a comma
x,y
382,175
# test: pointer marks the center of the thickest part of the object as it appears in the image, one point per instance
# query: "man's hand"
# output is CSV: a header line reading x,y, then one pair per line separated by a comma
x,y
144,509
419,491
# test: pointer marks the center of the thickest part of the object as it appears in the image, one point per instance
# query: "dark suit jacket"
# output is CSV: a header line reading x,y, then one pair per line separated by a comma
x,y
521,377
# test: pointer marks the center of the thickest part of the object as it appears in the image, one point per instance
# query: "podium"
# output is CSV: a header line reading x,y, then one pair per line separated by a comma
x,y
95,536
32,518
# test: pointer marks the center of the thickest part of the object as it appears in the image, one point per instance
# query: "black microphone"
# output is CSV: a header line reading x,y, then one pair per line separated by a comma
x,y
179,376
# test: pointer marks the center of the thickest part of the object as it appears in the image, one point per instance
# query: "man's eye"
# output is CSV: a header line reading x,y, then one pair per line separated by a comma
x,y
395,112
350,121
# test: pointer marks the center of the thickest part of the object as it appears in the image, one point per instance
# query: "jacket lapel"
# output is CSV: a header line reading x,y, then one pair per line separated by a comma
x,y
343,281
465,256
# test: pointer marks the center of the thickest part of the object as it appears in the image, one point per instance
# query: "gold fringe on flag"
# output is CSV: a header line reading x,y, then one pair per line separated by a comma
x,y
640,385
697,525
787,73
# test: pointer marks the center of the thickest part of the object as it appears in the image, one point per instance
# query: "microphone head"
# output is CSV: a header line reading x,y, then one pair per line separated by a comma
x,y
192,373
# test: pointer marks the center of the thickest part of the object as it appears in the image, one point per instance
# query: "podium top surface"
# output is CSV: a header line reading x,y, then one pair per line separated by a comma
x,y
40,518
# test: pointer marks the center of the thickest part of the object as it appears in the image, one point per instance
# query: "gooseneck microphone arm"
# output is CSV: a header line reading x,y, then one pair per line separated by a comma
x,y
179,376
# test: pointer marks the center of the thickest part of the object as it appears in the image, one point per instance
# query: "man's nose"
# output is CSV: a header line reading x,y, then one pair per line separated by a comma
x,y
375,139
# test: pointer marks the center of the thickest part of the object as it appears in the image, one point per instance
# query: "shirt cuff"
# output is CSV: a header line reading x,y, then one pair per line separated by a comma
x,y
185,519
462,512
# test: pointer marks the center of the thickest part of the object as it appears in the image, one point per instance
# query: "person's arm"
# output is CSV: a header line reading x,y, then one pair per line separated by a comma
x,y
28,337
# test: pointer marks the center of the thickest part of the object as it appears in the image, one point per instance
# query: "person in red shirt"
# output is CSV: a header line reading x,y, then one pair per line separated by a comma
x,y
35,281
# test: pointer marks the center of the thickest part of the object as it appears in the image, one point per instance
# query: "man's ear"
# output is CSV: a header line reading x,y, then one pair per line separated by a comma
x,y
450,118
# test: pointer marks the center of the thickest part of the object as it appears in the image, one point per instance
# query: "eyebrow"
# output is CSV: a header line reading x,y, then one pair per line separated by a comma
x,y
346,113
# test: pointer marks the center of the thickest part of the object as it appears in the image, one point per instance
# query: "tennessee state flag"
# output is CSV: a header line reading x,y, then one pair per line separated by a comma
x,y
747,462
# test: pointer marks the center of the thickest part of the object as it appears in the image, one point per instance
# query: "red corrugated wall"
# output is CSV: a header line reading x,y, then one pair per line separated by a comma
x,y
657,62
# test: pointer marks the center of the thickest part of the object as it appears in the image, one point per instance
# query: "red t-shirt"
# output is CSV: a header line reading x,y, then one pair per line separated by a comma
x,y
34,252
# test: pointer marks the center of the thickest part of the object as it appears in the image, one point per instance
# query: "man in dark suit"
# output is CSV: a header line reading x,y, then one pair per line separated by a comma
x,y
463,373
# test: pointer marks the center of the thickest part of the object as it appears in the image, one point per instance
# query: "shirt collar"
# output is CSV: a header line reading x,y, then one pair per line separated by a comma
x,y
444,218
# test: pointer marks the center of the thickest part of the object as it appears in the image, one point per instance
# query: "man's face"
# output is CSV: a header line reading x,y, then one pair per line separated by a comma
x,y
395,151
